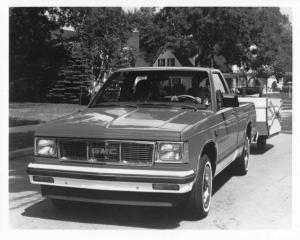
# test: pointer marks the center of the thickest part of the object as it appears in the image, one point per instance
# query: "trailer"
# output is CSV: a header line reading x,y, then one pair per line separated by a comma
x,y
268,110
268,114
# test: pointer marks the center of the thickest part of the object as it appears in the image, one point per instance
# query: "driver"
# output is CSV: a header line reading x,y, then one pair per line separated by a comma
x,y
201,92
143,91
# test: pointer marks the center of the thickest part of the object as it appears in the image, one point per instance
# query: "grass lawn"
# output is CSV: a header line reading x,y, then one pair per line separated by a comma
x,y
15,122
34,113
21,140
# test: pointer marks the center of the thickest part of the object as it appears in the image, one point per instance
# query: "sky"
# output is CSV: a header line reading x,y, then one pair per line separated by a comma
x,y
287,11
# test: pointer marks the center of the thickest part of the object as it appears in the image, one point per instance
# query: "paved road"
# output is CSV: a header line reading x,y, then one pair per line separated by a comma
x,y
260,200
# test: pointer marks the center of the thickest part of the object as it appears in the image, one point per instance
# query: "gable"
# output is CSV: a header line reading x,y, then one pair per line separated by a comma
x,y
180,61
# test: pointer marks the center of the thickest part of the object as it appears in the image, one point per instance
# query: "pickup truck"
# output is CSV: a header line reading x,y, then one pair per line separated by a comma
x,y
150,136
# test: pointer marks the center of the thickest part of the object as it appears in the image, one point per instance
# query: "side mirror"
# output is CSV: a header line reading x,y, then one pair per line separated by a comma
x,y
230,100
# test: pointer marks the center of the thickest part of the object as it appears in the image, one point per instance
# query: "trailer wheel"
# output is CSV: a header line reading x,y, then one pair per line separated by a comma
x,y
261,143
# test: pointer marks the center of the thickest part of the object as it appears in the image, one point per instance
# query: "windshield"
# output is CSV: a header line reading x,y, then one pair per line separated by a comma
x,y
156,88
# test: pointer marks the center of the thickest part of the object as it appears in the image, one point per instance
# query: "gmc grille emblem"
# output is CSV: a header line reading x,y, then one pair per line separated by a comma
x,y
104,151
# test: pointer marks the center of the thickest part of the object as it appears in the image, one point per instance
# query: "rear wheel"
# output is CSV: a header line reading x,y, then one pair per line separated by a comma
x,y
243,161
200,197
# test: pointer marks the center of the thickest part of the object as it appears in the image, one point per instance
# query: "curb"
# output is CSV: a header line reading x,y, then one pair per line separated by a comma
x,y
21,153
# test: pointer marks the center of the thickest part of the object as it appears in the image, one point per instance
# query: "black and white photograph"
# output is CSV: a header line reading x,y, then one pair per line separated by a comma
x,y
155,117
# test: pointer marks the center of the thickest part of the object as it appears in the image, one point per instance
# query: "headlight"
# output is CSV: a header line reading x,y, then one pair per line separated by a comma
x,y
172,152
45,147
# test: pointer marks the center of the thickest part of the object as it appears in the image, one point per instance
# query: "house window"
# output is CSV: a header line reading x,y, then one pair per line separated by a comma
x,y
171,62
161,62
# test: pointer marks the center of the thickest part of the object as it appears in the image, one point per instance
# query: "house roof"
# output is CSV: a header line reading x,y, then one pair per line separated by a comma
x,y
167,69
184,61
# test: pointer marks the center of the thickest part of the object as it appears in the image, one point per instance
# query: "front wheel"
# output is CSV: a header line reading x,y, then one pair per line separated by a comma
x,y
200,197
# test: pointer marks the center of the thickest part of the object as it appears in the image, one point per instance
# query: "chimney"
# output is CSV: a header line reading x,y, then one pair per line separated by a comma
x,y
134,40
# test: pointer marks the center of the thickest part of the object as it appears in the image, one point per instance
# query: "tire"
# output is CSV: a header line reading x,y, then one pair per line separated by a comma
x,y
261,143
242,162
198,203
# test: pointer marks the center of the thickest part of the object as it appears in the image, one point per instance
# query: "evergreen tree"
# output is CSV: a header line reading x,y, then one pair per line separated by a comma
x,y
74,79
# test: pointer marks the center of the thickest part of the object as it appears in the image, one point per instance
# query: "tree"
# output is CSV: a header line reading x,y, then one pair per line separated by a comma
x,y
101,30
141,17
273,41
230,32
283,60
34,55
99,48
73,80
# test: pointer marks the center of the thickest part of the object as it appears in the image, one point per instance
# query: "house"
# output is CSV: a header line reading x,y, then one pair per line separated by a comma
x,y
171,58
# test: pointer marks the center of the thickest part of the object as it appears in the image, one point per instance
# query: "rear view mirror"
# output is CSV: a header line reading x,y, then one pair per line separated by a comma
x,y
230,100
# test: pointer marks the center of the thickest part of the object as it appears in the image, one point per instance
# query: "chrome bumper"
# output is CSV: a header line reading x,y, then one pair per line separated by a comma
x,y
111,179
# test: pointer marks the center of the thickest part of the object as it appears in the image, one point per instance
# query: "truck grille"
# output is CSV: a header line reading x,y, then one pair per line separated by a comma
x,y
106,152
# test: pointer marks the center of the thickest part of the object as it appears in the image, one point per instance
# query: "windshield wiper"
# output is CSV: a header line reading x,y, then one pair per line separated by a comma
x,y
154,105
168,105
189,107
114,105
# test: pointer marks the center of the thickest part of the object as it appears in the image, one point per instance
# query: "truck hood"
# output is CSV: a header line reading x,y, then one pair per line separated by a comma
x,y
124,123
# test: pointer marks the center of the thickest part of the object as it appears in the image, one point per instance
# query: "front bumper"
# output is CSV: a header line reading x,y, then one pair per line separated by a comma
x,y
113,197
111,179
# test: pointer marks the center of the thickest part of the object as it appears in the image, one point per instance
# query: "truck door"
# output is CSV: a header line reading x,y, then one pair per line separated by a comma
x,y
226,127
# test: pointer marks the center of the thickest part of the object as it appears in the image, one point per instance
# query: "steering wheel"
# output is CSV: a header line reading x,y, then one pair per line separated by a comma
x,y
194,99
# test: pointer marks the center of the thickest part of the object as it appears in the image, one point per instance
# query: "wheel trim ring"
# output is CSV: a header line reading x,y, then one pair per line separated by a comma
x,y
206,186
